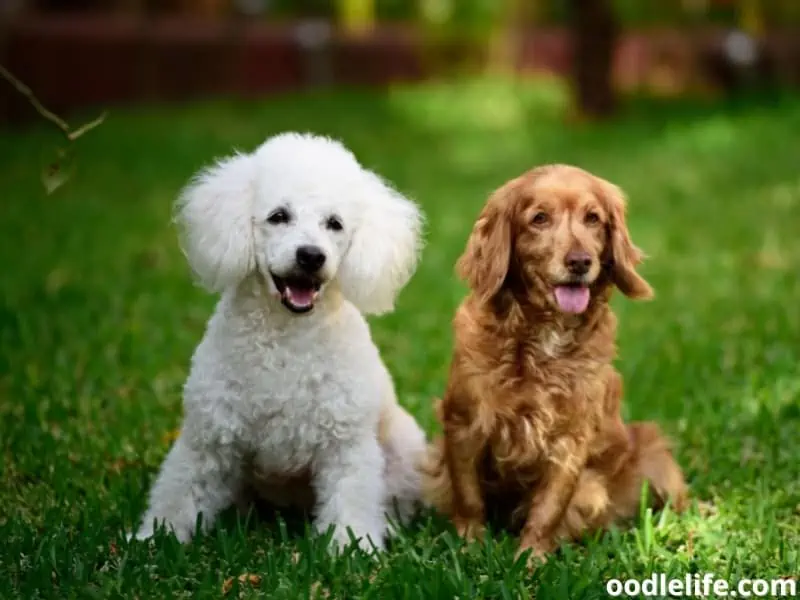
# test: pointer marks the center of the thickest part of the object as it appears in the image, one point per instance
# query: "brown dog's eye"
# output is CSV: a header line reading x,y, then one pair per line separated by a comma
x,y
591,218
540,218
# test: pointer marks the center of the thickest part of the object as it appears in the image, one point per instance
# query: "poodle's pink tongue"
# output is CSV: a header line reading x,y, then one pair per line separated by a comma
x,y
572,299
300,297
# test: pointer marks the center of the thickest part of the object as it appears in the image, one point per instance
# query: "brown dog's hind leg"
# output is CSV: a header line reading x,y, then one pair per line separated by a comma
x,y
651,462
658,466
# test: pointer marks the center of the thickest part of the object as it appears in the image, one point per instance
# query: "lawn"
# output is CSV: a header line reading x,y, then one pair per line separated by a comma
x,y
99,317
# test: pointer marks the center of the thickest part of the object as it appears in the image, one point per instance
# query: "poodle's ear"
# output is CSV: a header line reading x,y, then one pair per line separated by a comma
x,y
485,261
214,217
384,248
624,255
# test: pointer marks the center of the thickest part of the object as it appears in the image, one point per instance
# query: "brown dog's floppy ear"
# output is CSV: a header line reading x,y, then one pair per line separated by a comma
x,y
625,256
485,262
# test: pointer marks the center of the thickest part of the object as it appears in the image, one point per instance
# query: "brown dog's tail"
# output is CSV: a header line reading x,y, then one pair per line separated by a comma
x,y
437,488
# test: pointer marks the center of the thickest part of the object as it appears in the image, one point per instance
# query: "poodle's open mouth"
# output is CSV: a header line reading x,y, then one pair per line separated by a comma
x,y
298,292
572,297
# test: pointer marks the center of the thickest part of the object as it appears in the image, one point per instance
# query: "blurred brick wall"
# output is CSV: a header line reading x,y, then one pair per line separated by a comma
x,y
75,62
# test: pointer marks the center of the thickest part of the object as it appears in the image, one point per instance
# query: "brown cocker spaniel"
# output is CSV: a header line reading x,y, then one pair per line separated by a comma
x,y
533,434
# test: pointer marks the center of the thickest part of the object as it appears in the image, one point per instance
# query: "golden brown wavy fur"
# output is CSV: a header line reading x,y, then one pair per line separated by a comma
x,y
533,434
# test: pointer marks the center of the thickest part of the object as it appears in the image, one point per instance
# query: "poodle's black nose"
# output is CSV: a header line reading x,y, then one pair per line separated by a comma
x,y
310,258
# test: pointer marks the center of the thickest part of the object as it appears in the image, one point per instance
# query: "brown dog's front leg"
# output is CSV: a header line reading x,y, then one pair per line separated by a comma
x,y
550,501
468,507
612,445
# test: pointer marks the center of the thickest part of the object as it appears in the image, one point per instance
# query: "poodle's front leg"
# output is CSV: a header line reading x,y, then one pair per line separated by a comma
x,y
349,486
192,481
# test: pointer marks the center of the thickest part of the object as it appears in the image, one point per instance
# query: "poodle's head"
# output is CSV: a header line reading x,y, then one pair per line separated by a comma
x,y
304,215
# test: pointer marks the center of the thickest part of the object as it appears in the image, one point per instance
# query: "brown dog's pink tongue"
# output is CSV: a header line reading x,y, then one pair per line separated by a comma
x,y
572,299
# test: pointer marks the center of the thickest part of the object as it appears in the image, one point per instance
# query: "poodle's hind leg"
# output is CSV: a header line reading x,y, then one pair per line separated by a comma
x,y
192,482
349,488
404,447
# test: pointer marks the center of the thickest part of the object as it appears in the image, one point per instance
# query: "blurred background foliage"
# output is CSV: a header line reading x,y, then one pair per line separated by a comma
x,y
467,14
672,47
483,14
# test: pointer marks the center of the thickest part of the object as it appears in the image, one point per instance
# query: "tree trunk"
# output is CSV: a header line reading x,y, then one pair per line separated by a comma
x,y
594,35
505,38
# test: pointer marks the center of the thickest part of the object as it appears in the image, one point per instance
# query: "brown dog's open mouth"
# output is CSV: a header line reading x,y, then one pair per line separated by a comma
x,y
298,292
572,297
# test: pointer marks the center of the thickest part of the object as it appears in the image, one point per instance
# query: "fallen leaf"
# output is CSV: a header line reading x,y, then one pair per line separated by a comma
x,y
253,580
227,585
122,463
171,436
706,509
58,171
57,279
318,591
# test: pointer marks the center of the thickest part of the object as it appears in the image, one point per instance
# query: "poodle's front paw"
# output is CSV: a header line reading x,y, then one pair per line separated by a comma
x,y
145,532
140,535
343,537
400,512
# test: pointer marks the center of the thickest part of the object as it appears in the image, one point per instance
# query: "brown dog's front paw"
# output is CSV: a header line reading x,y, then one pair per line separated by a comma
x,y
469,529
535,559
539,551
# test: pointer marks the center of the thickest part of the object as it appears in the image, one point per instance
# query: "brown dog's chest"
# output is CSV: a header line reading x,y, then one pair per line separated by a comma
x,y
519,445
540,422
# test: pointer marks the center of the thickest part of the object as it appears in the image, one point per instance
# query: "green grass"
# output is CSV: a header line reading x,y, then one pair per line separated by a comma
x,y
99,316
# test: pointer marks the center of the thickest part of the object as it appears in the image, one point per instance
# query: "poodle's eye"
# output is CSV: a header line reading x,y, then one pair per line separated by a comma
x,y
278,216
334,223
540,218
591,218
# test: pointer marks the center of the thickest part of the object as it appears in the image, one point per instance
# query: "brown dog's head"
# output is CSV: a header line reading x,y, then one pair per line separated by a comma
x,y
560,233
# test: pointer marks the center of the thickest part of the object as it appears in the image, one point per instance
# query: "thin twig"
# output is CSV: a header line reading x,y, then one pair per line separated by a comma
x,y
47,114
26,91
84,128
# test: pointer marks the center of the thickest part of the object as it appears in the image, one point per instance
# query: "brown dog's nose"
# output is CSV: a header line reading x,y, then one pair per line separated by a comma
x,y
578,262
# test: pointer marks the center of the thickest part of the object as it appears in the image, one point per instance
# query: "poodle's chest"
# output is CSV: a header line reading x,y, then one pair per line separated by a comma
x,y
296,409
304,402
284,445
284,395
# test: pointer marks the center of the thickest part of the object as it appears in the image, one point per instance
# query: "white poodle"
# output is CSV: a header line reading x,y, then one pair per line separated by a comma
x,y
287,393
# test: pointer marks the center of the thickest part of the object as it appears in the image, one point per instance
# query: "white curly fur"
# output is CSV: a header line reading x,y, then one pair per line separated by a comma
x,y
294,405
